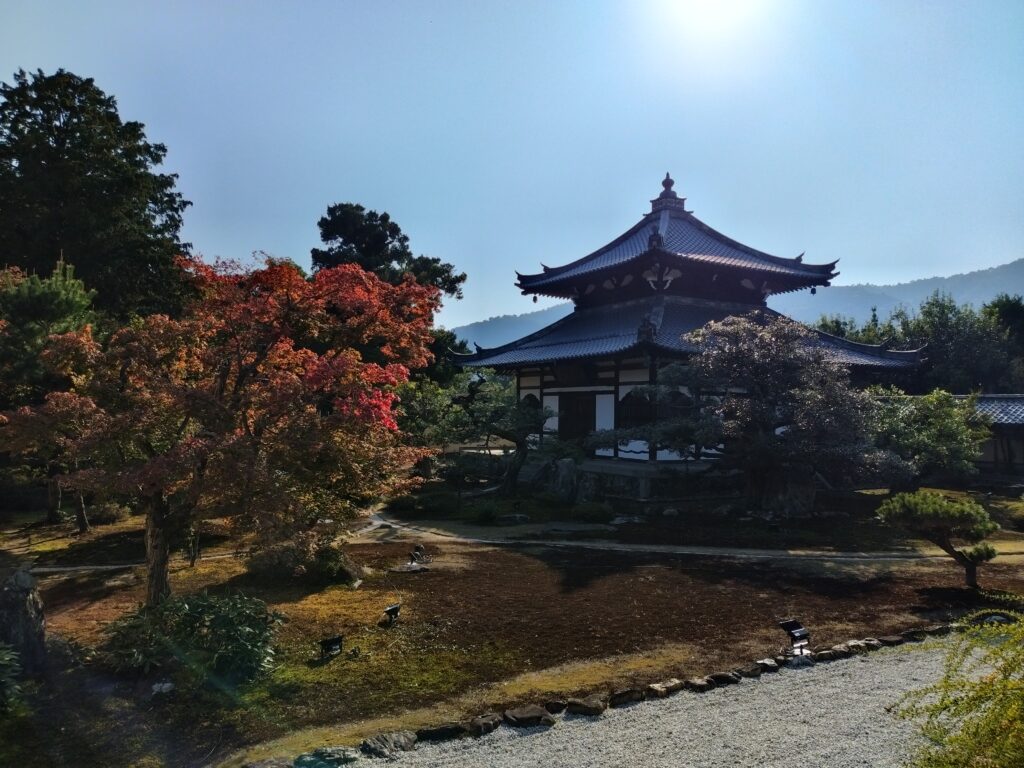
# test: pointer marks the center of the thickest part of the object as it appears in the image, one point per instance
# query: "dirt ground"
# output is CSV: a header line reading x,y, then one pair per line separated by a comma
x,y
559,622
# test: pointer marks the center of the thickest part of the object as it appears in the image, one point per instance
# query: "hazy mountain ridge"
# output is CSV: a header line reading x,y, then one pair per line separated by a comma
x,y
845,300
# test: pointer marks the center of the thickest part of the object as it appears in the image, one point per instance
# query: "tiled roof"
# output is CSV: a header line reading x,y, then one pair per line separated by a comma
x,y
679,234
1002,409
613,329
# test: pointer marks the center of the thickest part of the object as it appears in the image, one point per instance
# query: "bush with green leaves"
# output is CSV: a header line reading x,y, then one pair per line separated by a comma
x,y
108,513
946,523
310,556
10,670
974,716
208,639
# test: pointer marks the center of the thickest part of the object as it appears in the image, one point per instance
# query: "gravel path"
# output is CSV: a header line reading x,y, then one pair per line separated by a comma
x,y
829,716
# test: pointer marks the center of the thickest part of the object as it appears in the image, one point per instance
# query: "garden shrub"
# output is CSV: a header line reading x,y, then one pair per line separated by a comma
x,y
108,512
309,556
10,669
206,638
974,716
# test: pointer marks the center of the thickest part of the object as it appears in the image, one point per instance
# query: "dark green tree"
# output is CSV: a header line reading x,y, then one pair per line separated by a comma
x,y
78,183
31,310
946,523
937,434
353,235
785,413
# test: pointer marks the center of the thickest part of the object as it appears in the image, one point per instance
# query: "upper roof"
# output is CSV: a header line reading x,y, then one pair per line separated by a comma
x,y
658,323
671,232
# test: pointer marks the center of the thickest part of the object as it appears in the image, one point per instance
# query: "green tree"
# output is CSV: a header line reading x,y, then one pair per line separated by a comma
x,y
78,183
974,716
785,413
353,235
945,522
31,310
938,434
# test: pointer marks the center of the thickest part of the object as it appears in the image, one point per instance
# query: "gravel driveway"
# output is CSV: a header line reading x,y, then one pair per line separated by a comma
x,y
828,716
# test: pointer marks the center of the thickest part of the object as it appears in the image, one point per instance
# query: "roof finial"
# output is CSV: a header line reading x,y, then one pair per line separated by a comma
x,y
667,183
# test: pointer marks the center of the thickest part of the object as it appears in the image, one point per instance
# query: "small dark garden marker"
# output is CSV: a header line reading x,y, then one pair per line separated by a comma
x,y
799,636
331,646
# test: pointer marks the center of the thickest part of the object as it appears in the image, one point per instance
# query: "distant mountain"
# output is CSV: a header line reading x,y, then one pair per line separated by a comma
x,y
853,301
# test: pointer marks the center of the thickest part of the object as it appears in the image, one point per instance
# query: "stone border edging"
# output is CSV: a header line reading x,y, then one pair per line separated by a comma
x,y
388,745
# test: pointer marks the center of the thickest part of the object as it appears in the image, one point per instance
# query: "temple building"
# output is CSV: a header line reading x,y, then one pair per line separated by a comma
x,y
635,299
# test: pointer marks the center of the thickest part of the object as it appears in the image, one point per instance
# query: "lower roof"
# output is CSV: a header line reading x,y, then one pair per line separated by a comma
x,y
656,323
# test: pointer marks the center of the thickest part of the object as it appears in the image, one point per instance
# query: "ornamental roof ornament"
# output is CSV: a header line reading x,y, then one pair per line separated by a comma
x,y
668,197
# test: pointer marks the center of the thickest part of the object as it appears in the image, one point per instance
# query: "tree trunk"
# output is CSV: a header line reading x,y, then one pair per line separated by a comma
x,y
971,574
158,552
53,499
80,516
22,625
510,486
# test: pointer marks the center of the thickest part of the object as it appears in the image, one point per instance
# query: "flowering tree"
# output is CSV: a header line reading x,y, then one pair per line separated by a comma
x,y
258,404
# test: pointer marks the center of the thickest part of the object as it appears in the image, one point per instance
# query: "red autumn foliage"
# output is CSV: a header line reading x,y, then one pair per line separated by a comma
x,y
270,401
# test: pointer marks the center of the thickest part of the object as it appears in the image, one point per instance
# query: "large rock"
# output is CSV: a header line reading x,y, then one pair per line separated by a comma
x,y
724,678
891,640
826,655
857,647
768,665
872,643
664,688
271,762
443,732
484,724
938,630
749,670
22,624
698,684
327,757
914,635
529,716
388,745
625,696
591,706
842,650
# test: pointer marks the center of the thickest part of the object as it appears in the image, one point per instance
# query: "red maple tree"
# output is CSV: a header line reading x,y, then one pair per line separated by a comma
x,y
270,401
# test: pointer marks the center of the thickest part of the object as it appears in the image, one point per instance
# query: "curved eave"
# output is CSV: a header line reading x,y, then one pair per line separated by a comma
x,y
566,287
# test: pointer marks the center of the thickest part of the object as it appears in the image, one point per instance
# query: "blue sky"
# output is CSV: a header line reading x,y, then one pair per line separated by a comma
x,y
887,135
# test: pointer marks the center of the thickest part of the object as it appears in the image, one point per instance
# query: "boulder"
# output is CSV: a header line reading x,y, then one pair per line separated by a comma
x,y
591,705
857,647
827,655
938,630
555,706
327,757
872,643
753,669
529,716
443,732
664,688
724,678
698,684
388,745
842,651
271,762
484,724
891,640
625,696
768,665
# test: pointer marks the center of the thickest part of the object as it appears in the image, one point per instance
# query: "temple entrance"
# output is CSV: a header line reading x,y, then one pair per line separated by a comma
x,y
576,415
